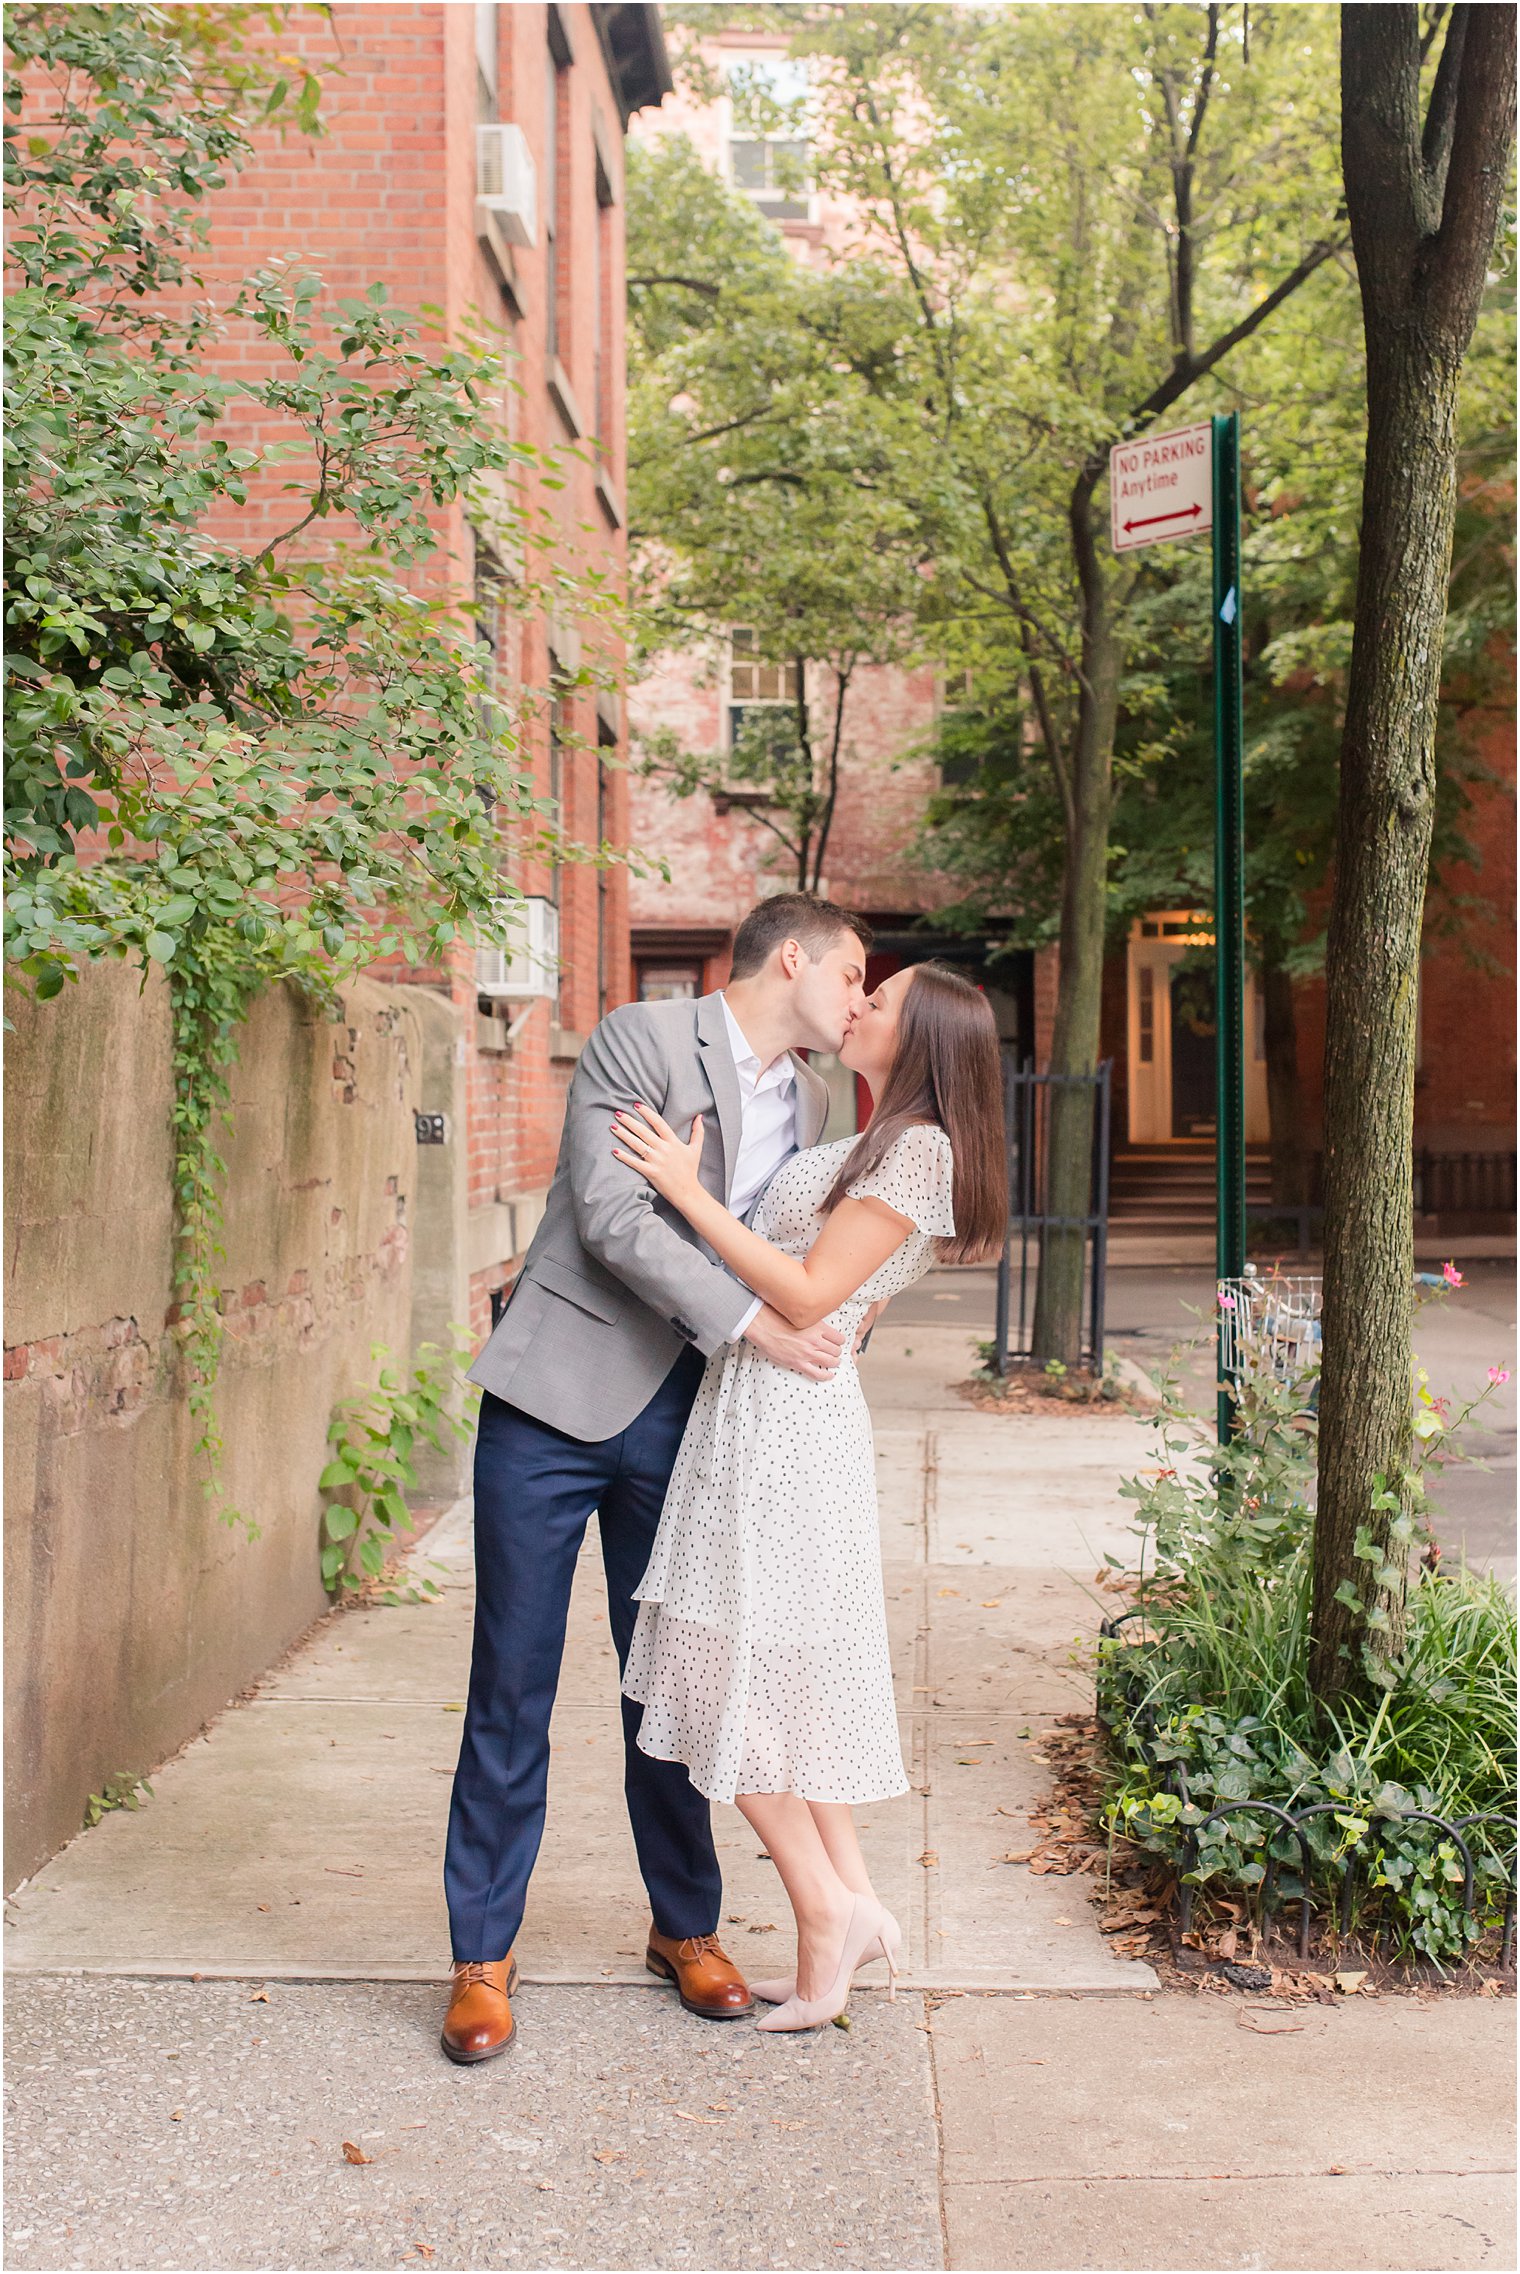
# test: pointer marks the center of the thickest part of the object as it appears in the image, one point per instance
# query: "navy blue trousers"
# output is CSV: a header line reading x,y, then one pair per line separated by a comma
x,y
535,1488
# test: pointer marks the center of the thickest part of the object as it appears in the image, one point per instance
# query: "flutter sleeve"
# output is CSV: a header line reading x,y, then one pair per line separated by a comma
x,y
917,1178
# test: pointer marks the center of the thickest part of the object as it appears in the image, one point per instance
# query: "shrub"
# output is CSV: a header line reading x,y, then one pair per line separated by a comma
x,y
1203,1690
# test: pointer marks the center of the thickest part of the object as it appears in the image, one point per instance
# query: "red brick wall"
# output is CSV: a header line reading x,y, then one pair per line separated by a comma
x,y
386,194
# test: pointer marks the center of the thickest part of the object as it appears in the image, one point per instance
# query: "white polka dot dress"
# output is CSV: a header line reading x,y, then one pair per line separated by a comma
x,y
760,1652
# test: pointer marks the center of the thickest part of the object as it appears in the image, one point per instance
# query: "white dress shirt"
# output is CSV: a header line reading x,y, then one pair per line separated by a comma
x,y
767,1127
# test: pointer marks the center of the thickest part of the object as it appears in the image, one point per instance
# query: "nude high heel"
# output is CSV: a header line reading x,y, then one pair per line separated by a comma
x,y
868,1923
780,1987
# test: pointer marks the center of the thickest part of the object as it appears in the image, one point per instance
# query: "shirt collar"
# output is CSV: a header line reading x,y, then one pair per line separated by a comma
x,y
781,1073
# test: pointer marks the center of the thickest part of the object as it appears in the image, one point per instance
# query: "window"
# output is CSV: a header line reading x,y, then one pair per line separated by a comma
x,y
669,982
767,155
606,749
491,620
553,73
602,271
752,682
487,63
557,817
1146,1007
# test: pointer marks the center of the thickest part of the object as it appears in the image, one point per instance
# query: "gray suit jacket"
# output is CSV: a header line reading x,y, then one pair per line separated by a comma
x,y
616,1281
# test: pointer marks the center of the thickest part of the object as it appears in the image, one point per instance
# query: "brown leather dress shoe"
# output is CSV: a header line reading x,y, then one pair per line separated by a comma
x,y
709,1982
479,2021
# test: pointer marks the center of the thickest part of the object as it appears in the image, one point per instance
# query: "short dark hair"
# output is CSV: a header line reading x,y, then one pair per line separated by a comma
x,y
801,916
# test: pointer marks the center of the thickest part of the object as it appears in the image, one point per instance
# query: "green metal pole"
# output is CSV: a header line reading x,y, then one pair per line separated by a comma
x,y
1229,884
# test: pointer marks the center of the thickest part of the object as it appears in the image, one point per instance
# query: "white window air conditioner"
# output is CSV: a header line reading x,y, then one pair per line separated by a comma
x,y
529,966
506,183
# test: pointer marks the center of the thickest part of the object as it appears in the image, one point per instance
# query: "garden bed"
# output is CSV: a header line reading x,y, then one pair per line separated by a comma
x,y
1228,1949
1225,1786
1054,1391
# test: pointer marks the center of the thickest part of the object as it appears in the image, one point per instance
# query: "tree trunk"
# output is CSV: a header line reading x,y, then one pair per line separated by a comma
x,y
1284,1097
1423,208
1079,988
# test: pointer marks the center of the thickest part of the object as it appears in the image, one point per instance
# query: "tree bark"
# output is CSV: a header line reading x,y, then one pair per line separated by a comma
x,y
1423,204
1084,907
1284,1096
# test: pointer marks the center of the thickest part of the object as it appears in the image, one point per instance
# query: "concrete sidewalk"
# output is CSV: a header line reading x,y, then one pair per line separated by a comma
x,y
208,1998
301,1834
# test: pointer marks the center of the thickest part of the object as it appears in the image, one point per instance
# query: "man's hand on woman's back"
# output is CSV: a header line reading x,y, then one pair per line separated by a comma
x,y
814,1351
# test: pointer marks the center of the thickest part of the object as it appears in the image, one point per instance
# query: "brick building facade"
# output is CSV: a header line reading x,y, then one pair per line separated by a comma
x,y
471,160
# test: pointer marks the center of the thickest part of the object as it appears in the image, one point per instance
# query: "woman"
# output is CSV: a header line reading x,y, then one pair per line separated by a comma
x,y
760,1653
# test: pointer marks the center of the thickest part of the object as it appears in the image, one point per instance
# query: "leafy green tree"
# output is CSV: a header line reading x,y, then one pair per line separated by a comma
x,y
995,828
1093,209
235,763
1428,124
1068,221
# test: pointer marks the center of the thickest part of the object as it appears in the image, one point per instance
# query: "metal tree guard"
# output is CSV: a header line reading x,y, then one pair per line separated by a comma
x,y
1027,1100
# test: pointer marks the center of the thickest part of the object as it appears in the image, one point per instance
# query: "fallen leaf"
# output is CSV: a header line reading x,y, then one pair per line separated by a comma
x,y
1349,1982
767,1928
612,2155
424,2250
929,1859
355,2154
687,2115
1018,1855
453,1709
259,1997
175,2114
1063,1922
346,1870
419,2126
996,1604
725,2105
262,1906
968,1761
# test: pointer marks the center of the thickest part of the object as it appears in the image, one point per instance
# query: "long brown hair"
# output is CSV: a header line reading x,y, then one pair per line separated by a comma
x,y
946,1070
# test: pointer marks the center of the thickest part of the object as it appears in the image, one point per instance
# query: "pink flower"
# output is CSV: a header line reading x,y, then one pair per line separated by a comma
x,y
1226,1302
1498,1374
1451,1275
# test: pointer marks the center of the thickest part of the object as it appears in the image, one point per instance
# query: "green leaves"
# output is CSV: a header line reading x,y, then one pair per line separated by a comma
x,y
1215,1691
301,757
374,1434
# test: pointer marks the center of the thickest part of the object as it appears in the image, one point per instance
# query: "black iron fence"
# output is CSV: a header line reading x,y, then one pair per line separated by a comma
x,y
1479,1187
1464,1184
1028,1100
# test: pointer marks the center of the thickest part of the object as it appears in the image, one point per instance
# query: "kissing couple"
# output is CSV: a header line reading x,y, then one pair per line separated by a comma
x,y
679,1355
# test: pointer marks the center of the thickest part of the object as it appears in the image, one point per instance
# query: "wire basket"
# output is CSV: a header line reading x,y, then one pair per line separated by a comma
x,y
1269,1327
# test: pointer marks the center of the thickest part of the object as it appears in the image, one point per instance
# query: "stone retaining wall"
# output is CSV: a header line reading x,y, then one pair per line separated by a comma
x,y
132,1612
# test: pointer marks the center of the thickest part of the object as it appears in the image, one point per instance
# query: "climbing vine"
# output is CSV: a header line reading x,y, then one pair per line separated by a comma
x,y
373,1437
234,759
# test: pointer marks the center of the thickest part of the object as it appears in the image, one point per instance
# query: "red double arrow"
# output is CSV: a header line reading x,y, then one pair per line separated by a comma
x,y
1182,513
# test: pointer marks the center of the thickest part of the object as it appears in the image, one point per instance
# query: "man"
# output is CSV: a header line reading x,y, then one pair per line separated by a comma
x,y
587,1381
